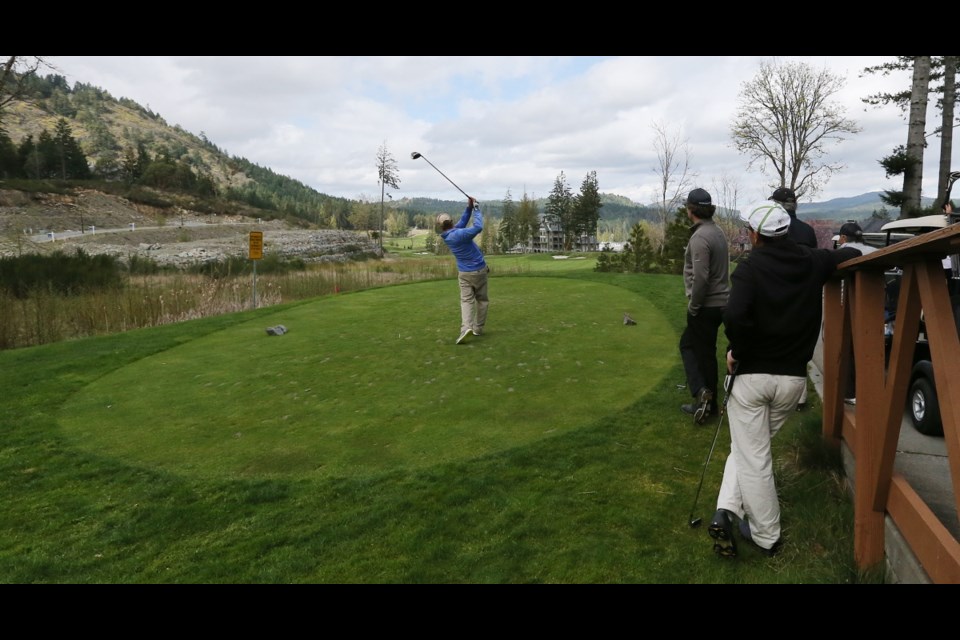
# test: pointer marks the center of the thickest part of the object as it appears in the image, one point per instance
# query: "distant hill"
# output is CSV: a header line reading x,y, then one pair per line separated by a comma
x,y
860,208
112,132
853,208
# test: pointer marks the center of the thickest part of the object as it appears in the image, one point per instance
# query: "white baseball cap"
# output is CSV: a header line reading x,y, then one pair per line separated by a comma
x,y
768,219
441,218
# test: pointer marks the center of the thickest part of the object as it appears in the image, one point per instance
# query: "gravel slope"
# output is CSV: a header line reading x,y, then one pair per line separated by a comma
x,y
42,223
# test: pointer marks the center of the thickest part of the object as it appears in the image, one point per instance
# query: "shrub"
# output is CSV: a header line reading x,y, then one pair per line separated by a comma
x,y
59,273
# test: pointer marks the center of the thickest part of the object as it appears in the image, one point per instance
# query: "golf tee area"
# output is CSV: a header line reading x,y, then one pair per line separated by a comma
x,y
364,446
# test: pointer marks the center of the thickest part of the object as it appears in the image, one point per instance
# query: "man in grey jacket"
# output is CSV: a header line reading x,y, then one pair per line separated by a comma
x,y
706,281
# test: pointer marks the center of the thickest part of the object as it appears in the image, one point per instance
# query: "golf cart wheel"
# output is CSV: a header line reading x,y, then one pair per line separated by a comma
x,y
924,408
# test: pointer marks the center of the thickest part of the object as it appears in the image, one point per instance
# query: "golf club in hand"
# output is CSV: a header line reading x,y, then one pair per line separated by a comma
x,y
416,155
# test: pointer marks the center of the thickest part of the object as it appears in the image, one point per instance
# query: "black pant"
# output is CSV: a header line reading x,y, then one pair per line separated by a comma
x,y
698,349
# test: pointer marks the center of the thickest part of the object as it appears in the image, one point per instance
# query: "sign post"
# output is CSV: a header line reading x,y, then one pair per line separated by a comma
x,y
256,253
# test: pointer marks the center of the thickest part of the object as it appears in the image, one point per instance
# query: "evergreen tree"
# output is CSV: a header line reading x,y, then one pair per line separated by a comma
x,y
508,230
71,160
608,261
128,166
560,204
108,165
160,174
586,210
29,158
142,161
10,165
675,243
205,186
642,255
47,156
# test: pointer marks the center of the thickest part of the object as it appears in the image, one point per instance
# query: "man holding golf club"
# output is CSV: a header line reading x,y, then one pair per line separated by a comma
x,y
772,322
471,267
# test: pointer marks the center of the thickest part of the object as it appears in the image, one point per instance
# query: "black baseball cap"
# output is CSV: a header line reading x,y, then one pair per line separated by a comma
x,y
784,194
851,230
698,196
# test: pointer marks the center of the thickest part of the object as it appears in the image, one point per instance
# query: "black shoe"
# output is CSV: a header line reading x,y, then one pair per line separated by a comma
x,y
693,408
704,402
721,530
745,534
801,406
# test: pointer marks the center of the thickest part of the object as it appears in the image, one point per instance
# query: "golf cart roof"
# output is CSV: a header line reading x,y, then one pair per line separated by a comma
x,y
917,225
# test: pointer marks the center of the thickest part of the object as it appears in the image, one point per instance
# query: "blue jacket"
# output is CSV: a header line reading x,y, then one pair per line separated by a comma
x,y
460,240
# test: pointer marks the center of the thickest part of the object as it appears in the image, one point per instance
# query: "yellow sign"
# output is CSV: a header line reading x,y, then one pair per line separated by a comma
x,y
256,245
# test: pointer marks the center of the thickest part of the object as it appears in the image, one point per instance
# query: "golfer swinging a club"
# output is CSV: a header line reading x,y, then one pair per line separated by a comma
x,y
472,268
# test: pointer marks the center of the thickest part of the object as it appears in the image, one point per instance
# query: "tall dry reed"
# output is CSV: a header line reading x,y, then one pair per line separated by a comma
x,y
146,301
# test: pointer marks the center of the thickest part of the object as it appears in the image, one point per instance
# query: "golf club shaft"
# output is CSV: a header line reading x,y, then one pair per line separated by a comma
x,y
728,387
443,174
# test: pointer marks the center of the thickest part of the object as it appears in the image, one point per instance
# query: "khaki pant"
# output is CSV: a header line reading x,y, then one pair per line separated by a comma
x,y
473,300
757,407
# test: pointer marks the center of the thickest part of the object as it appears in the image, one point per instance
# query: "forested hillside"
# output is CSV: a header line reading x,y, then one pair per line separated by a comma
x,y
84,133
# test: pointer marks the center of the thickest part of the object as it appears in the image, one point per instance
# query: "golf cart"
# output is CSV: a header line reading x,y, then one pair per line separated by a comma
x,y
922,404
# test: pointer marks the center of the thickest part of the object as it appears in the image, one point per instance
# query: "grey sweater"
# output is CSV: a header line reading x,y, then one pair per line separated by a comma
x,y
706,267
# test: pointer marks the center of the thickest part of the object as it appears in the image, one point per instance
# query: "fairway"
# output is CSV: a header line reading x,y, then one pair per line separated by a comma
x,y
372,381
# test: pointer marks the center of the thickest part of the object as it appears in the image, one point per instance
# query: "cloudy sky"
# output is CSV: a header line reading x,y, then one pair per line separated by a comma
x,y
492,124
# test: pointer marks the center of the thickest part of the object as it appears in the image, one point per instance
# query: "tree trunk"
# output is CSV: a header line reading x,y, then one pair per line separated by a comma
x,y
946,133
916,137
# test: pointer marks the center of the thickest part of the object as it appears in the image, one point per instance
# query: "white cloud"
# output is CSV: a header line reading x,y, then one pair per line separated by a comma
x,y
489,123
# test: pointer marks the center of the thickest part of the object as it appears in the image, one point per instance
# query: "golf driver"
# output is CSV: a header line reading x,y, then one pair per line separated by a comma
x,y
727,386
416,155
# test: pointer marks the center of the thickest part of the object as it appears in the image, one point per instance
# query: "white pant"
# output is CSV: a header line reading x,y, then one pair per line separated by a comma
x,y
758,406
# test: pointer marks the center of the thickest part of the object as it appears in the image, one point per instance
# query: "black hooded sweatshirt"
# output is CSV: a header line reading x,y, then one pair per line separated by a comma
x,y
773,316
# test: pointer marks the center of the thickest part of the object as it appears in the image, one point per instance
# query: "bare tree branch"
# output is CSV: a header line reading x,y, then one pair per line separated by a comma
x,y
673,172
785,122
15,73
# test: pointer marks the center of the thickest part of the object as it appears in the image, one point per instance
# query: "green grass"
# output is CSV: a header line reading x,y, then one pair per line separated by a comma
x,y
364,446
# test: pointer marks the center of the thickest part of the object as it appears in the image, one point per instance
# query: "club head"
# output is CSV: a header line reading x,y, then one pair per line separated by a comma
x,y
695,523
414,155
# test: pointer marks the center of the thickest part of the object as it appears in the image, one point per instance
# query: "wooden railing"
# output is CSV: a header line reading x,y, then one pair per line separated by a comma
x,y
854,315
